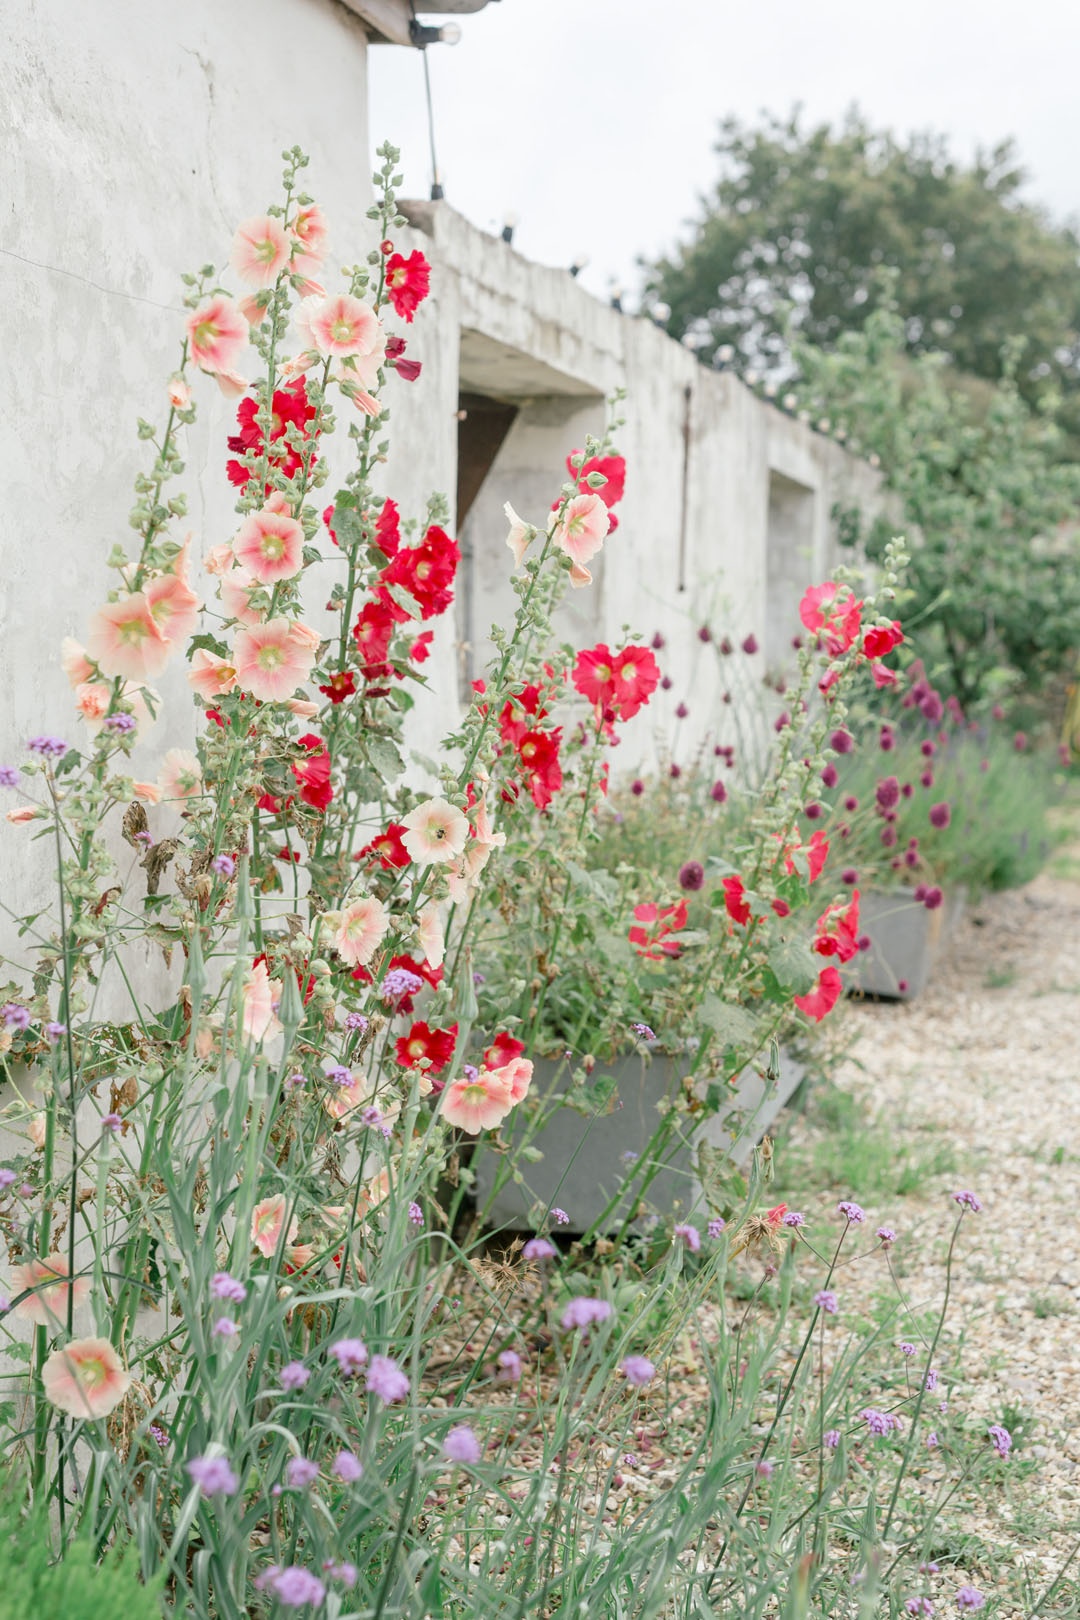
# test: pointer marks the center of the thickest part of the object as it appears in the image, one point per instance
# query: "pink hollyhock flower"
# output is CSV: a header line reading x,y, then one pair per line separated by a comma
x,y
271,660
613,468
267,1221
216,332
85,1378
237,590
303,708
259,995
883,677
92,699
361,371
125,639
253,310
517,1075
360,929
309,232
435,831
181,775
520,536
260,250
219,559
179,393
429,932
477,1102
48,1278
210,675
271,546
74,662
580,533
342,325
148,791
652,925
174,606
232,385
823,998
25,813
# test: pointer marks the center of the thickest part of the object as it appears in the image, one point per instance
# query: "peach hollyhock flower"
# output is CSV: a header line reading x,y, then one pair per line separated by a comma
x,y
48,1303
435,831
232,385
477,1102
85,1378
37,1130
148,791
363,369
210,675
521,534
92,699
23,814
305,636
260,250
179,393
236,590
259,995
429,931
174,606
303,708
125,639
74,662
216,332
219,559
309,232
267,1221
359,929
580,533
271,546
252,311
271,660
341,1101
181,775
342,325
517,1076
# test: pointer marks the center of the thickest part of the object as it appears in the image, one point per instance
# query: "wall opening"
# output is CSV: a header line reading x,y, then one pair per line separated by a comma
x,y
789,555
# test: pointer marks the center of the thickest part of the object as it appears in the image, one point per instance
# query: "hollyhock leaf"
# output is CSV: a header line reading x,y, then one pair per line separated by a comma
x,y
384,757
730,1023
208,643
600,884
404,600
793,966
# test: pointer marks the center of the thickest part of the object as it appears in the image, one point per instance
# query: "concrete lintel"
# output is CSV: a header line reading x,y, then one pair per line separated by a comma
x,y
387,21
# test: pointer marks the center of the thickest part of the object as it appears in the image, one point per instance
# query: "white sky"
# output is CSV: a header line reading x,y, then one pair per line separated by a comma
x,y
593,120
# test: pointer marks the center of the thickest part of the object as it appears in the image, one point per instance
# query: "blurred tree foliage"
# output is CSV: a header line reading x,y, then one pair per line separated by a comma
x,y
983,489
802,221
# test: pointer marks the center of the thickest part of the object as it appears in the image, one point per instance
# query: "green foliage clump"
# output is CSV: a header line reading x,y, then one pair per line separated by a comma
x,y
78,1587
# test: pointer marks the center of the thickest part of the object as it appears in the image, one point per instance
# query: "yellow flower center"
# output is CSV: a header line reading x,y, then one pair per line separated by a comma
x,y
270,658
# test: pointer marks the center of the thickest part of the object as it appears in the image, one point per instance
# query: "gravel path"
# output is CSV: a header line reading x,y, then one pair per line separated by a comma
x,y
989,1057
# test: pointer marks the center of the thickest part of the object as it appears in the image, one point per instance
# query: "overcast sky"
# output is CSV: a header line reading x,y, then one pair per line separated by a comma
x,y
593,120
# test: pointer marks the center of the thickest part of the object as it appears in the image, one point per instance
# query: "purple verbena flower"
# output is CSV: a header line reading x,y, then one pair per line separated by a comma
x,y
294,1375
224,1328
416,1214
8,1178
348,1468
539,1248
887,1236
832,1438
643,1033
461,1445
50,747
9,776
300,1472
222,1286
1001,1438
639,1371
931,1440
158,1435
826,1301
794,1218
510,1366
350,1355
560,1217
53,1031
907,1349
879,1422
690,1236
293,1586
223,865
15,1015
338,1074
968,1200
851,1211
213,1476
931,1379
355,1021
121,722
582,1313
764,1468
344,1572
111,1123
919,1605
399,983
386,1379
969,1597
716,1226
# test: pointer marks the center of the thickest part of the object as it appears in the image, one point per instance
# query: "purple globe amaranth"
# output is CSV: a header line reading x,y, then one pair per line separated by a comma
x,y
691,875
718,792
940,815
887,793
750,645
829,776
842,741
933,900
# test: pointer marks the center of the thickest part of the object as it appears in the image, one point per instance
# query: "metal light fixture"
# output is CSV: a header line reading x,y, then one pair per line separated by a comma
x,y
509,224
423,34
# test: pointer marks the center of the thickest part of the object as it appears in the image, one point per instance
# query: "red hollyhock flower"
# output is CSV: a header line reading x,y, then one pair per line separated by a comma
x,y
837,930
313,774
775,1215
882,639
422,1042
816,852
652,926
594,674
503,1049
735,902
407,370
276,971
612,467
290,408
539,755
326,517
388,528
835,613
821,1000
388,847
427,571
372,632
883,677
341,685
420,651
637,675
514,722
407,282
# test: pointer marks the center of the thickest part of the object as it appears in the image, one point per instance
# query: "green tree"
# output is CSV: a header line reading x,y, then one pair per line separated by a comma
x,y
992,508
802,221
